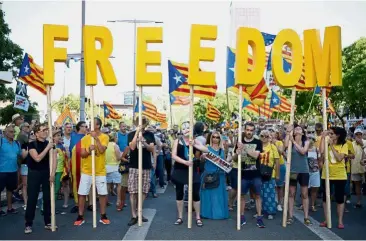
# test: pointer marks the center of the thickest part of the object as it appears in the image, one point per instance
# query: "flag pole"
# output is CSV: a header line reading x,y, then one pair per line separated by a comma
x,y
288,162
240,107
51,159
190,172
311,102
139,204
94,193
171,116
326,161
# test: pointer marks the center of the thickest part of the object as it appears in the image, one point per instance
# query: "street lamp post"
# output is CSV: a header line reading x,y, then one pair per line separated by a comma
x,y
135,22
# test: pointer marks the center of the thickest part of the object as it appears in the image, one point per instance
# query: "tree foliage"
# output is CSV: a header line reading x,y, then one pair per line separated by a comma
x,y
10,59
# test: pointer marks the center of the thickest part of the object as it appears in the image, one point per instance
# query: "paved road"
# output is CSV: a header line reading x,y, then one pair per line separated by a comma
x,y
162,214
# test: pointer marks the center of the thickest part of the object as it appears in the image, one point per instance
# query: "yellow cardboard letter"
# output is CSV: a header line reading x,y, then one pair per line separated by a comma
x,y
243,74
198,53
146,35
100,57
290,38
323,66
51,54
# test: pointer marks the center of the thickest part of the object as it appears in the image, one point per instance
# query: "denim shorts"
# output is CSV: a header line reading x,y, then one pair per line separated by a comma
x,y
255,183
24,170
281,181
114,177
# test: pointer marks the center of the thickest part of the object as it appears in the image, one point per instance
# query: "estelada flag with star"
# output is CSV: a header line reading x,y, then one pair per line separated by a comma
x,y
178,85
32,74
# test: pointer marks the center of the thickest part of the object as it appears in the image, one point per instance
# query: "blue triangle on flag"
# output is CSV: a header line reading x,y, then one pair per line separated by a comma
x,y
275,100
246,103
176,78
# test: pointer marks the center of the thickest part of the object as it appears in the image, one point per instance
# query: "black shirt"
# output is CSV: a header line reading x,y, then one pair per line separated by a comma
x,y
250,166
146,155
44,164
25,147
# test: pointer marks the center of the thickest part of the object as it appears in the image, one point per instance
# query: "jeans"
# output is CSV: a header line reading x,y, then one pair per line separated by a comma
x,y
35,180
160,170
152,181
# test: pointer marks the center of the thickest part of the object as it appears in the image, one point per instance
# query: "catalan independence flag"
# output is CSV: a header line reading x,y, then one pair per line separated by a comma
x,y
285,104
264,110
110,112
257,93
148,110
179,100
65,117
32,74
160,117
178,85
212,113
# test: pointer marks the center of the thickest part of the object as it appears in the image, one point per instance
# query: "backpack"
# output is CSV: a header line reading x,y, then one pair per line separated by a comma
x,y
17,142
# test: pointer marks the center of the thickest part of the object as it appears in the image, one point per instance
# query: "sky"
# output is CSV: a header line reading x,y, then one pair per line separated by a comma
x,y
26,19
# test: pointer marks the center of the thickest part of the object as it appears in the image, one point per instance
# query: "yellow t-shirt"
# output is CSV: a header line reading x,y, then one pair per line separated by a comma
x,y
337,170
280,144
351,151
270,153
317,141
100,161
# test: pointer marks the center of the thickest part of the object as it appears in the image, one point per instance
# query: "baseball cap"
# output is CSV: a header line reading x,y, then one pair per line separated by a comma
x,y
358,130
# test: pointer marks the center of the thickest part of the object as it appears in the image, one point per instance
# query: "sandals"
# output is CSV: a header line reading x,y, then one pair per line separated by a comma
x,y
119,207
179,221
290,221
199,223
313,209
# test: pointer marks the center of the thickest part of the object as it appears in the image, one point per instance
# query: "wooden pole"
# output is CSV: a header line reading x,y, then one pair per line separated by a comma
x,y
190,172
240,132
94,191
288,162
52,184
139,205
326,162
171,116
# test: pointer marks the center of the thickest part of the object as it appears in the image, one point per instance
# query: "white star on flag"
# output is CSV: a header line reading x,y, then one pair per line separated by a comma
x,y
26,69
275,100
177,79
232,69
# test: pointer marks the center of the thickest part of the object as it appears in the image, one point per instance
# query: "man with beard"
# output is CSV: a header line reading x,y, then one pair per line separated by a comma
x,y
250,149
148,145
261,125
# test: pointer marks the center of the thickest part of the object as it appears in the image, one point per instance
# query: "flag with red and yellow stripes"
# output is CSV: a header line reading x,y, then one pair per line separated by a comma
x,y
285,104
160,117
212,112
32,74
65,117
110,112
178,85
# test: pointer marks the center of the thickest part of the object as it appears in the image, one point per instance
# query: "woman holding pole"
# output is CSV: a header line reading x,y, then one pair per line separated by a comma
x,y
337,151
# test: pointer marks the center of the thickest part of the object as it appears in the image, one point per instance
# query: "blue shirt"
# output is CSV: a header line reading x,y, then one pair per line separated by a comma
x,y
122,141
9,153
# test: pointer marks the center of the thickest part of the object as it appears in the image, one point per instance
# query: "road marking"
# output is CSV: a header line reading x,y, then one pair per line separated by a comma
x,y
323,233
160,190
139,233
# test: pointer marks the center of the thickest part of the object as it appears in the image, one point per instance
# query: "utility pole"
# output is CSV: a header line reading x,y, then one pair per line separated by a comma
x,y
82,75
135,22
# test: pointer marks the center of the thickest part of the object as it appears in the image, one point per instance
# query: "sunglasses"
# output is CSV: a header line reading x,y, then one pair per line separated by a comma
x,y
263,136
215,137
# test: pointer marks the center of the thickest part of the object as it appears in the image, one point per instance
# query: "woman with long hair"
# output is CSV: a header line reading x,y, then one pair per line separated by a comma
x,y
180,155
299,170
214,201
337,151
271,157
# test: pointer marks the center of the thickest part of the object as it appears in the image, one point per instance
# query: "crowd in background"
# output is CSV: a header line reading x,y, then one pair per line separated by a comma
x,y
25,168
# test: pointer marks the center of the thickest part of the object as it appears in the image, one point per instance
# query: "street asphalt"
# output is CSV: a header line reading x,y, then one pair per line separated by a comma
x,y
162,214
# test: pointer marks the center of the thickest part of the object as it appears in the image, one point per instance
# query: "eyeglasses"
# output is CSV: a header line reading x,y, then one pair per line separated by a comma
x,y
263,136
84,126
32,133
215,137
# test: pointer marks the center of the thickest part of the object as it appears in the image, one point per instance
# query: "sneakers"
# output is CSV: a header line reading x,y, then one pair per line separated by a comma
x,y
24,207
28,230
145,220
104,219
12,211
348,201
49,227
243,220
79,221
260,223
279,208
270,217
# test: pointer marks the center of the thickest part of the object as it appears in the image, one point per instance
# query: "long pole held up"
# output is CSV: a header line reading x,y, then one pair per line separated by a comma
x,y
326,162
190,169
94,193
288,162
139,205
240,132
52,184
